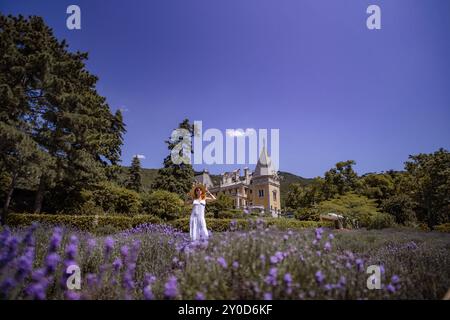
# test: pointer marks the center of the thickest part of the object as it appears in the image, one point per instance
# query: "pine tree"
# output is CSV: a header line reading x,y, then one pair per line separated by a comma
x,y
48,94
134,179
173,177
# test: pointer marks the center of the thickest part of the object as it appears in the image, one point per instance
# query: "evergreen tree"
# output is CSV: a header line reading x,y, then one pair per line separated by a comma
x,y
430,185
134,179
177,178
48,94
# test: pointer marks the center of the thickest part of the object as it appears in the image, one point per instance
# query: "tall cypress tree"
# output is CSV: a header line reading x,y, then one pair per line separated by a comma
x,y
135,179
173,177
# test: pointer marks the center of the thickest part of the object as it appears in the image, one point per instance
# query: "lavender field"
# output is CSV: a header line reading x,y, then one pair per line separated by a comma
x,y
159,262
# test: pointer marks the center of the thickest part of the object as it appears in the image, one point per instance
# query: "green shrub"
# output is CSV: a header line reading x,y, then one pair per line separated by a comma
x,y
223,203
110,198
222,225
354,207
90,223
400,207
230,214
164,204
306,214
445,227
381,221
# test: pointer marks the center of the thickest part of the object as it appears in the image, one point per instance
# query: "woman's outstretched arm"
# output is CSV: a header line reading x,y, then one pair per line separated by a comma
x,y
210,196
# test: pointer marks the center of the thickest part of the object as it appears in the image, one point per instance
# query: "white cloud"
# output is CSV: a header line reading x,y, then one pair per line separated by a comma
x,y
124,109
140,156
235,133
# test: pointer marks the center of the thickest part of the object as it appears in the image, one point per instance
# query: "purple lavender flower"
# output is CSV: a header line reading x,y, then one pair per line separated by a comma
x,y
5,286
235,264
262,258
28,240
117,264
395,279
51,263
222,262
342,281
149,279
382,270
71,251
359,265
319,277
331,236
91,280
109,246
36,291
124,251
199,296
25,265
128,281
10,251
171,288
287,278
319,232
72,295
55,240
327,246
148,293
271,278
390,288
267,296
273,259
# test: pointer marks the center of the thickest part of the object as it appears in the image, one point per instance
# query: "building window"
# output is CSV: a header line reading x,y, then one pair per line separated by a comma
x,y
261,193
274,195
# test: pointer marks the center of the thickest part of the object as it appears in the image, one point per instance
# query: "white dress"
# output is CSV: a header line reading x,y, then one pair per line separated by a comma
x,y
198,228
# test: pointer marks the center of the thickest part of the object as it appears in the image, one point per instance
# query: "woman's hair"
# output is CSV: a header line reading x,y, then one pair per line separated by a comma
x,y
202,195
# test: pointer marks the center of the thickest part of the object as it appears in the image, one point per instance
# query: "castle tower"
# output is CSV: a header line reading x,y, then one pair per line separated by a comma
x,y
265,185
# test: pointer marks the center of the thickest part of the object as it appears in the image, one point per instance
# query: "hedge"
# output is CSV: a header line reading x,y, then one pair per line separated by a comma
x,y
221,225
116,222
82,222
445,227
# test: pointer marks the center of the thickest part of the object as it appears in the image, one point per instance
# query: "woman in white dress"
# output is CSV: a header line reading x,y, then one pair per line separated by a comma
x,y
198,229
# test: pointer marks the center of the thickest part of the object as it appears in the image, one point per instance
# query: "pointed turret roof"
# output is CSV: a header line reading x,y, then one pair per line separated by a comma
x,y
264,165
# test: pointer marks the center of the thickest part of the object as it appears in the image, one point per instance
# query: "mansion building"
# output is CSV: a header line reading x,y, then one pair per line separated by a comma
x,y
254,191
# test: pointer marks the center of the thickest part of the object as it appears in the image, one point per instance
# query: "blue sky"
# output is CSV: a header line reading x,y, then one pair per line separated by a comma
x,y
310,68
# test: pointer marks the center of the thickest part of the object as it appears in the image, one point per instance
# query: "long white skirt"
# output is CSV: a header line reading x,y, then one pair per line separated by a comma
x,y
198,228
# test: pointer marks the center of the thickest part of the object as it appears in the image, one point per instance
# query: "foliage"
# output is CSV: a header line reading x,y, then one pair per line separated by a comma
x,y
111,198
135,179
340,179
221,204
353,207
177,178
400,207
445,227
307,214
229,224
49,97
90,223
164,204
378,186
430,184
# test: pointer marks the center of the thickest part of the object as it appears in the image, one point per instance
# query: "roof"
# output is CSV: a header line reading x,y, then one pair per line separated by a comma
x,y
264,165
